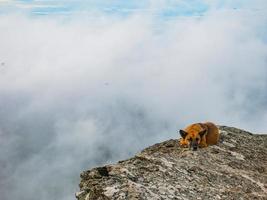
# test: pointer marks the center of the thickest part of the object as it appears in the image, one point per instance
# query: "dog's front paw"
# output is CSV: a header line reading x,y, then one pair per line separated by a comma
x,y
203,145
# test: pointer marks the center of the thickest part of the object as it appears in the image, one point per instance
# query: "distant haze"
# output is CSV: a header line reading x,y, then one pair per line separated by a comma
x,y
83,92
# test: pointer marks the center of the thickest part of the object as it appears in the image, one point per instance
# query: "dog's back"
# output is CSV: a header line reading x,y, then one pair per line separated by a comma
x,y
212,136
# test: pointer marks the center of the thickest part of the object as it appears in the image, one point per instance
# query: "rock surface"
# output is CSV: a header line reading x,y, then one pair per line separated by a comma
x,y
234,169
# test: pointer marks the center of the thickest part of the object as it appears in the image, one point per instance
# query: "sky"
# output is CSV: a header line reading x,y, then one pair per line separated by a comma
x,y
86,83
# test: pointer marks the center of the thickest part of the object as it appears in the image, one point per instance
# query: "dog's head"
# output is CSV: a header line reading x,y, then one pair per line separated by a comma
x,y
192,138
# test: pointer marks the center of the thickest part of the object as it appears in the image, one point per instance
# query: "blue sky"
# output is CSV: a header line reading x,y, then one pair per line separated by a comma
x,y
169,8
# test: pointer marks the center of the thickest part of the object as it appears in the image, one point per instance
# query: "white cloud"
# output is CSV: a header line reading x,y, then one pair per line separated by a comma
x,y
75,94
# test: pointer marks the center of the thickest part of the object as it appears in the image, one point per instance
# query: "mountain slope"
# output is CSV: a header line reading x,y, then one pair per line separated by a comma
x,y
233,169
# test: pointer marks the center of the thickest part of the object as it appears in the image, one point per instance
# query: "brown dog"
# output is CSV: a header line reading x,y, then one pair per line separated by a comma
x,y
199,135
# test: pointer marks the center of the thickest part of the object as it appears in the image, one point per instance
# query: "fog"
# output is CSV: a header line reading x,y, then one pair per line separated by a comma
x,y
80,92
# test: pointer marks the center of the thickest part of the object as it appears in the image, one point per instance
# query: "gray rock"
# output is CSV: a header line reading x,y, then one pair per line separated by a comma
x,y
233,169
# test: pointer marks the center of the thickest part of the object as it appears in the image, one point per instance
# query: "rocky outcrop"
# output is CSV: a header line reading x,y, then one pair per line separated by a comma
x,y
234,169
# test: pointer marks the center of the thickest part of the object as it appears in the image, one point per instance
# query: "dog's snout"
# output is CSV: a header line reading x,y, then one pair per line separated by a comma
x,y
194,145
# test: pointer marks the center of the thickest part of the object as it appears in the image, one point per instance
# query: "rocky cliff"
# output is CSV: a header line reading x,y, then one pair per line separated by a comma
x,y
234,169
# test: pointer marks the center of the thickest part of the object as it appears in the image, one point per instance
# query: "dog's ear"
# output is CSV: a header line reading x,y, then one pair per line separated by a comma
x,y
202,133
183,133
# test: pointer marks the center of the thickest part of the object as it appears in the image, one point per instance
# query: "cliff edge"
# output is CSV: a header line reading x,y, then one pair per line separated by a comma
x,y
234,169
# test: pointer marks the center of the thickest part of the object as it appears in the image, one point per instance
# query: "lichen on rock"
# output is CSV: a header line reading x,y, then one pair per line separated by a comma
x,y
233,169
